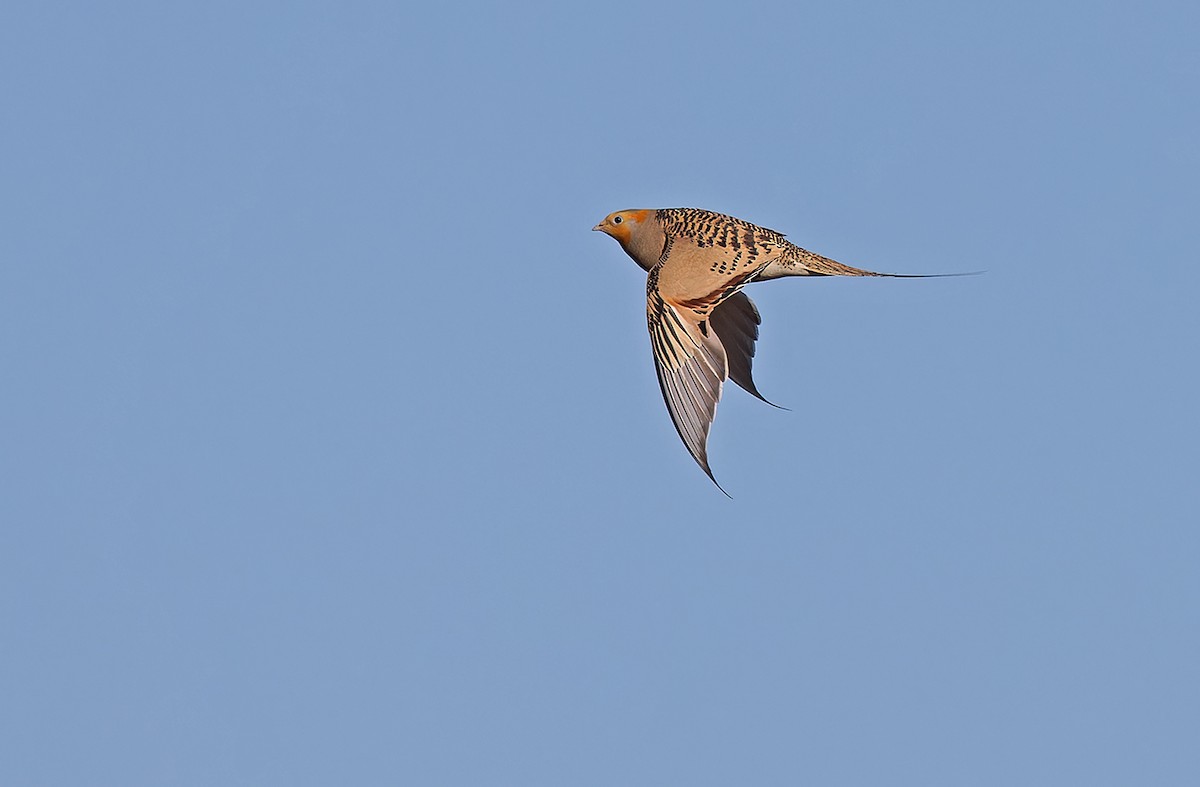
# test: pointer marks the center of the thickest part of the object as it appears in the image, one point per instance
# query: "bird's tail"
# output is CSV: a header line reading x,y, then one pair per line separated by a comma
x,y
803,262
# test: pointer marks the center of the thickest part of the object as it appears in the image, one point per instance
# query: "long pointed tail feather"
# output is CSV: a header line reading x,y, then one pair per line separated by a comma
x,y
801,262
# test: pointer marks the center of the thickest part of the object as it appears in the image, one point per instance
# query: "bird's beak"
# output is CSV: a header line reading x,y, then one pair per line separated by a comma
x,y
599,227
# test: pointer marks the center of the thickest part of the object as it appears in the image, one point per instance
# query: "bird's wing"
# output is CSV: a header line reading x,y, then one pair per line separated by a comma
x,y
691,366
736,322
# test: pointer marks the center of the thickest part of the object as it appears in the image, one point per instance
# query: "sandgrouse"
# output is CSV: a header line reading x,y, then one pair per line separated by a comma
x,y
702,326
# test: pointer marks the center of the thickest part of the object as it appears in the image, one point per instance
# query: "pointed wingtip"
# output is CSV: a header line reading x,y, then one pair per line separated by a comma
x,y
708,471
754,392
710,477
764,399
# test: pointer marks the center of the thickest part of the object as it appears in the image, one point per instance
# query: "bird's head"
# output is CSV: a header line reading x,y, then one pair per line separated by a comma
x,y
622,224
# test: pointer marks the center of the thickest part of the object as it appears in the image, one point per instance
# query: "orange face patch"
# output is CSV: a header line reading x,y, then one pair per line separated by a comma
x,y
620,224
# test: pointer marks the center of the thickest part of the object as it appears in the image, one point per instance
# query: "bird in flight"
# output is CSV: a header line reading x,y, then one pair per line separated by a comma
x,y
702,326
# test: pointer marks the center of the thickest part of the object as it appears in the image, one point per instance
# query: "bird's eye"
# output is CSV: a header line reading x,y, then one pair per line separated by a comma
x,y
617,219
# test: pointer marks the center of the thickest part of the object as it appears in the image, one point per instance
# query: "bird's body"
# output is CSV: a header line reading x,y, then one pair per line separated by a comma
x,y
702,327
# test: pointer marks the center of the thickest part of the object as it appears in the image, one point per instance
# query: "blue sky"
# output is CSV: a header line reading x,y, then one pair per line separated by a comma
x,y
332,448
